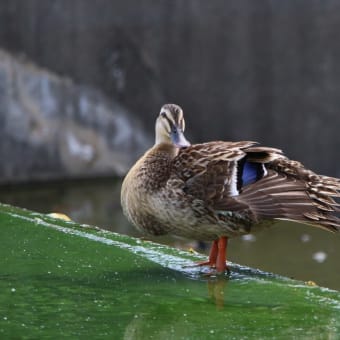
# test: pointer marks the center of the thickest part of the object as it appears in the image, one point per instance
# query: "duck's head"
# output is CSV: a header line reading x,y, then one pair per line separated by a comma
x,y
170,126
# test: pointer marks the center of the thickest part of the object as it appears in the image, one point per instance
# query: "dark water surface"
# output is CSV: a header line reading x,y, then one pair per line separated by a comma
x,y
290,249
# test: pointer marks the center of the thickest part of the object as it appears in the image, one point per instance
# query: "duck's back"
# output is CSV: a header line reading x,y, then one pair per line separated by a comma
x,y
260,183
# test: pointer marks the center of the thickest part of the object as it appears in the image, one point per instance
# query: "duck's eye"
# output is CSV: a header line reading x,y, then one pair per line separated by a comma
x,y
163,114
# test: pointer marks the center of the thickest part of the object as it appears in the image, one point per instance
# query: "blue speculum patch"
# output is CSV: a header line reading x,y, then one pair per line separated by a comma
x,y
251,172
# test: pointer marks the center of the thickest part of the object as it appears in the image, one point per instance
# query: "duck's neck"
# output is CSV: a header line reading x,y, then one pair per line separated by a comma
x,y
156,166
163,150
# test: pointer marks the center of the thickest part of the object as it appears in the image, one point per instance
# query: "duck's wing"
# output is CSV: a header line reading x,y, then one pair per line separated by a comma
x,y
209,170
241,176
290,191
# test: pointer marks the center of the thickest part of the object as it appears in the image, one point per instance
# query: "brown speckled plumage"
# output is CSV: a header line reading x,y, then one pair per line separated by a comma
x,y
221,189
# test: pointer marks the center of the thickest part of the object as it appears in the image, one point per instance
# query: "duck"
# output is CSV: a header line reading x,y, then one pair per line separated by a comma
x,y
219,190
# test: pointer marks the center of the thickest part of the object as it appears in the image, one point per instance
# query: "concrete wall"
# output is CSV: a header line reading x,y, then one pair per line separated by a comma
x,y
266,71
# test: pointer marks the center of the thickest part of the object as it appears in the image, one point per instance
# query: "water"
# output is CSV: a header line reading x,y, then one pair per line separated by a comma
x,y
289,249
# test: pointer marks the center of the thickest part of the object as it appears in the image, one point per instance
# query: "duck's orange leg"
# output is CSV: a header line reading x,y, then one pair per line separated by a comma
x,y
212,256
221,260
217,256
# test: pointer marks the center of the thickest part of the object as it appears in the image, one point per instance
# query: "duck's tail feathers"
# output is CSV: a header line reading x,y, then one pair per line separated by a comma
x,y
297,195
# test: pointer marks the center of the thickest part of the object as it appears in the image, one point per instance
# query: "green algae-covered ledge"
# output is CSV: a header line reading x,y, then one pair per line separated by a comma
x,y
62,279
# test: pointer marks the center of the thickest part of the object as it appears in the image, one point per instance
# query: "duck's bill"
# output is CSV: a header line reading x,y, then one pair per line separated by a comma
x,y
179,139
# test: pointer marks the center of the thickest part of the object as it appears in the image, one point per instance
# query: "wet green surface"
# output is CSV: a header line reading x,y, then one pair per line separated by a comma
x,y
59,279
289,249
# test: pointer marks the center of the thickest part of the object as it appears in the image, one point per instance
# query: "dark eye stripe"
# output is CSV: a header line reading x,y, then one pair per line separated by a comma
x,y
174,119
170,122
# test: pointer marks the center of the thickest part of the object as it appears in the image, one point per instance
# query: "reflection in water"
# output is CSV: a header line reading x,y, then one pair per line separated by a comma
x,y
183,326
216,290
289,249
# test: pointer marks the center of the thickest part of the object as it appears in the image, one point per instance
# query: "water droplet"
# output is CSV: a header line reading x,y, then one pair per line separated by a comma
x,y
320,256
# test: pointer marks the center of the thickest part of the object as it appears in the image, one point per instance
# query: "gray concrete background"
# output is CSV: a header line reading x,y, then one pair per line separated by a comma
x,y
256,70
